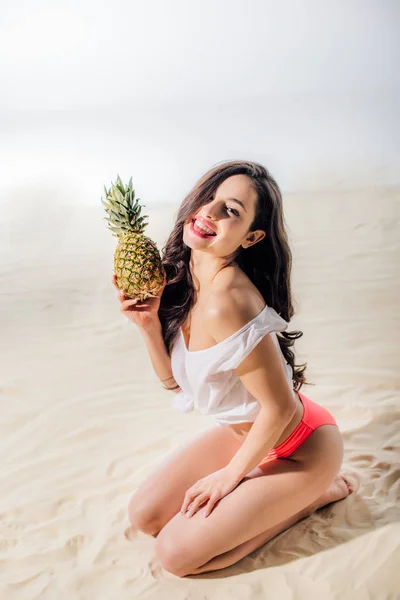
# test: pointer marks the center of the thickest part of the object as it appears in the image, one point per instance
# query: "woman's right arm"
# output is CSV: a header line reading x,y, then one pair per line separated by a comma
x,y
158,353
144,314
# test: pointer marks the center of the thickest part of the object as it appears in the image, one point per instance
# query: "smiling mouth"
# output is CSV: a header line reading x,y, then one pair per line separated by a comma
x,y
202,231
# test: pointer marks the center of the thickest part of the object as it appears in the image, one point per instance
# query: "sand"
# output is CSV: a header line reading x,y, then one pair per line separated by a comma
x,y
84,419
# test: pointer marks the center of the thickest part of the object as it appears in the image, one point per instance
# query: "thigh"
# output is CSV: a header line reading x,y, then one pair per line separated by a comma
x,y
161,494
268,495
263,499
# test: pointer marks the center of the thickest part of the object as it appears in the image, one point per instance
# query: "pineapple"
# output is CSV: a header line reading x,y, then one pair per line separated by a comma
x,y
137,261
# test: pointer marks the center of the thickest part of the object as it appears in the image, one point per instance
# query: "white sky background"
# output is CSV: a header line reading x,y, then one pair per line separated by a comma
x,y
163,91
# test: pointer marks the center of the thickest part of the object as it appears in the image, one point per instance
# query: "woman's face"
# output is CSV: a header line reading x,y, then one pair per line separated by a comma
x,y
229,219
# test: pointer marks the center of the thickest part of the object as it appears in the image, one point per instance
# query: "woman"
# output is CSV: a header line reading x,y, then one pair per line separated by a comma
x,y
212,338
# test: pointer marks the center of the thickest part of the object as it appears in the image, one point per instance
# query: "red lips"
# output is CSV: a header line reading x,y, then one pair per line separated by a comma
x,y
205,223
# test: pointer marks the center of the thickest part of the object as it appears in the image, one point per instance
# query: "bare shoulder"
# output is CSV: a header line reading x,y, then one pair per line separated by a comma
x,y
233,302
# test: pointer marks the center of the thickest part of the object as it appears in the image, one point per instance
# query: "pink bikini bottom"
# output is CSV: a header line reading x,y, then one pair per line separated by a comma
x,y
314,416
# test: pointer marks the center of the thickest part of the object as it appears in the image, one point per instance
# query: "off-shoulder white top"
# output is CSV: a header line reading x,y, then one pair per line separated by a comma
x,y
208,380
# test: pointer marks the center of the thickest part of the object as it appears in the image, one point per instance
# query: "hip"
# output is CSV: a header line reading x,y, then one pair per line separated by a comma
x,y
308,416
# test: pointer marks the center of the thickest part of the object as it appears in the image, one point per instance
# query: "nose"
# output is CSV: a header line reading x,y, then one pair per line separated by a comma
x,y
209,213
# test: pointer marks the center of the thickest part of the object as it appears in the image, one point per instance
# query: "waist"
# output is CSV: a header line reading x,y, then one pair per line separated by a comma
x,y
241,430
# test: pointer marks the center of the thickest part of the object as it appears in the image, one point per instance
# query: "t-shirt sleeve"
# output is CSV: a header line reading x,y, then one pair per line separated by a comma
x,y
240,346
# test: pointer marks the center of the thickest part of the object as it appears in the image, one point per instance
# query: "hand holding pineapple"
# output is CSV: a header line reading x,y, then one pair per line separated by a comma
x,y
143,313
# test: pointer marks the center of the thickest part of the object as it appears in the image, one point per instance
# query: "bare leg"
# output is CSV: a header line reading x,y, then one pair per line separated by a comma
x,y
339,489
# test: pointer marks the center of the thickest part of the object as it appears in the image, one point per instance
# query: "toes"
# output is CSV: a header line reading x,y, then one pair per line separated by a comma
x,y
347,482
352,481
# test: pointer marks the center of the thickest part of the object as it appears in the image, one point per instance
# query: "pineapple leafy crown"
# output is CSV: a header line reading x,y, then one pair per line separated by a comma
x,y
124,211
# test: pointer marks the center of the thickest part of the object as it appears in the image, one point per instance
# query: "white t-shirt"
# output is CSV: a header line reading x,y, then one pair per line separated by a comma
x,y
208,380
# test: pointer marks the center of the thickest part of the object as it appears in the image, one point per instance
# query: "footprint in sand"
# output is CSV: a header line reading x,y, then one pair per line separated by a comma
x,y
7,545
76,543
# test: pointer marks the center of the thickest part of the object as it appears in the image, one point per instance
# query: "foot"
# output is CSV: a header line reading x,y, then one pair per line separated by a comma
x,y
339,489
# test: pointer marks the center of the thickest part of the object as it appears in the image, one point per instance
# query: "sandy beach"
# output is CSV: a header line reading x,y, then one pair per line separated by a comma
x,y
85,419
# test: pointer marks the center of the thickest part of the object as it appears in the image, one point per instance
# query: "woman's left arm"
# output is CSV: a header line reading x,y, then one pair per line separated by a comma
x,y
263,375
262,437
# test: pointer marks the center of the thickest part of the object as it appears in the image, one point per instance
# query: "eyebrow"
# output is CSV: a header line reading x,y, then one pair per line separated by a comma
x,y
238,201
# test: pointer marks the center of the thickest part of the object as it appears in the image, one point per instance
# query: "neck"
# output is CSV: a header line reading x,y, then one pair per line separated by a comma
x,y
203,269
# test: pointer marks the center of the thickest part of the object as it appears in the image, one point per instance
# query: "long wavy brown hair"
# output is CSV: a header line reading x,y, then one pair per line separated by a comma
x,y
267,263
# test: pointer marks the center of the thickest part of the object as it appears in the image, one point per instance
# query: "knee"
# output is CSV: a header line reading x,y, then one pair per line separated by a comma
x,y
141,515
172,556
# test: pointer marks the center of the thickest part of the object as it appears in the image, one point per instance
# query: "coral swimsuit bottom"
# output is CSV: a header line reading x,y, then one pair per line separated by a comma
x,y
314,416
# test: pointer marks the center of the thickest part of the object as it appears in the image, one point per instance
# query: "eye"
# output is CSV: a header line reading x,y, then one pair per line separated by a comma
x,y
235,212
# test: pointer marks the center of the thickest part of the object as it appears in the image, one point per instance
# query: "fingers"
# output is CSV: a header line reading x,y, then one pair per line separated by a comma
x,y
114,282
191,499
121,292
186,501
125,302
196,504
209,507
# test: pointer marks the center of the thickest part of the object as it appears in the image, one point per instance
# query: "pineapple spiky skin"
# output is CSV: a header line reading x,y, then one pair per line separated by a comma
x,y
137,261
